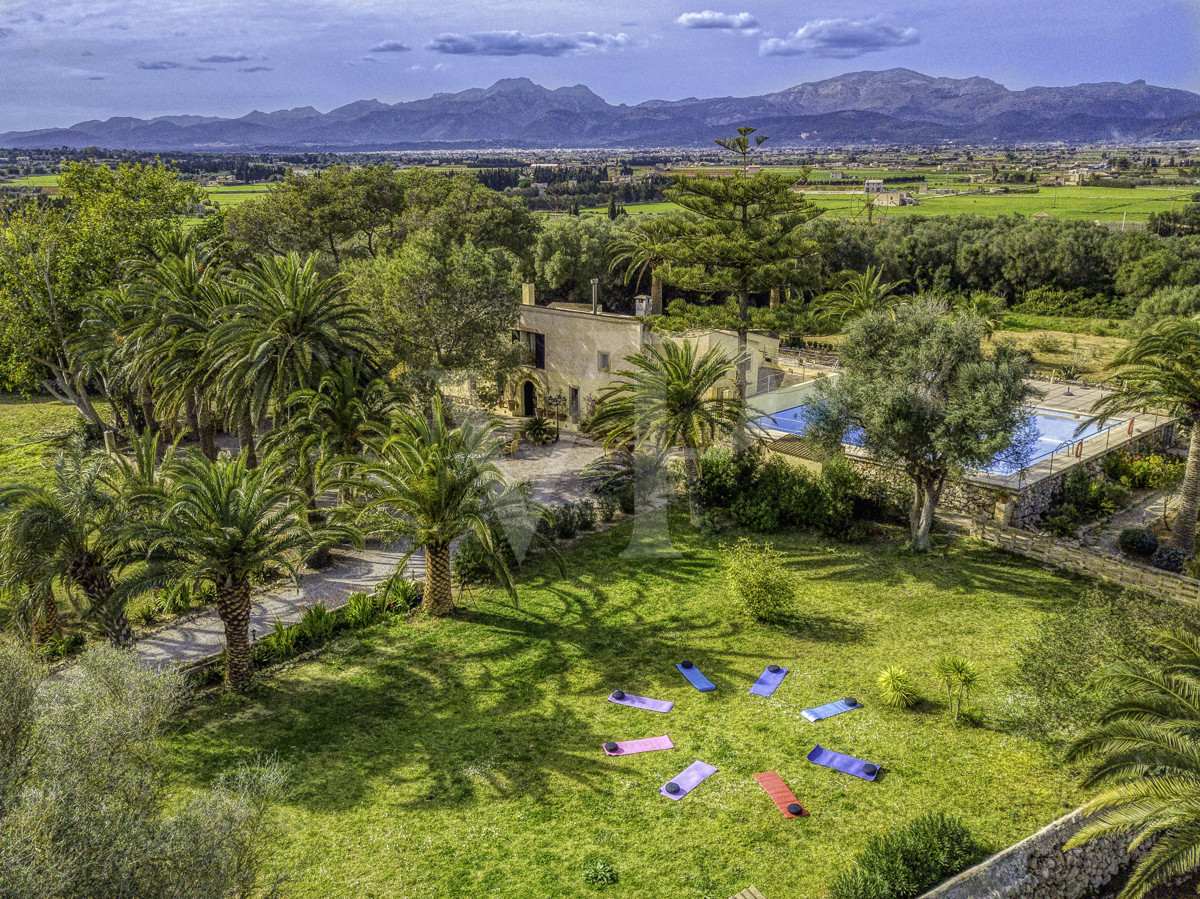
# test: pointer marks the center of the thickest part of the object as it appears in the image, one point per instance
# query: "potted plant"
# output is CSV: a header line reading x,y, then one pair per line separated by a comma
x,y
538,429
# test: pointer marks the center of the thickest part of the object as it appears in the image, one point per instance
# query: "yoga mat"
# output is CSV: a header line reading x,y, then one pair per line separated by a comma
x,y
779,793
847,764
650,744
696,679
829,710
768,681
688,779
641,702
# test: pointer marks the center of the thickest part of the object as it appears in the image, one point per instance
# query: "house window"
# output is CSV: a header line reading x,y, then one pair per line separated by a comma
x,y
574,391
602,361
535,345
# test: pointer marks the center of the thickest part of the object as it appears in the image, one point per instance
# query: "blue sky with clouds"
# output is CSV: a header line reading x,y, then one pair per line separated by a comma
x,y
63,61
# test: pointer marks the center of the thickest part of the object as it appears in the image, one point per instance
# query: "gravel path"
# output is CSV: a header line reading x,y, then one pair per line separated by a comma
x,y
553,470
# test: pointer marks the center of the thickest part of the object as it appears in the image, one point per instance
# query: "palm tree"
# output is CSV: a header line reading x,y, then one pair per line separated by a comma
x,y
670,399
432,484
1160,368
641,249
64,533
1146,749
290,326
860,294
224,524
340,419
183,299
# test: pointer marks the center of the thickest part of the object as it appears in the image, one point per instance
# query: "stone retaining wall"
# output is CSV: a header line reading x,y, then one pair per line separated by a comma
x,y
1038,868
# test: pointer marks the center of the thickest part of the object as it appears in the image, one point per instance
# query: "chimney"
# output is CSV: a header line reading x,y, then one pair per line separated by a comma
x,y
527,295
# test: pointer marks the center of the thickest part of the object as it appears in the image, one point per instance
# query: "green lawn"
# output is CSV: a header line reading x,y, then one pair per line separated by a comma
x,y
31,432
233,194
463,758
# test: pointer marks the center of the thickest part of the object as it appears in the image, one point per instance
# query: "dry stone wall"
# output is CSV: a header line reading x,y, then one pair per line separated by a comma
x,y
1039,868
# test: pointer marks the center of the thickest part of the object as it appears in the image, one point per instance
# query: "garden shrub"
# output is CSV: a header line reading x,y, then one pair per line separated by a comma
x,y
585,514
841,485
1047,343
907,861
1138,542
627,500
1077,639
599,872
471,563
1142,471
1077,303
897,689
1169,559
607,506
360,610
763,588
397,594
279,645
1166,302
958,677
565,520
317,624
756,513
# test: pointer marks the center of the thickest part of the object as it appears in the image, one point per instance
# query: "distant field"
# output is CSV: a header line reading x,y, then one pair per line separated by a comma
x,y
1107,204
233,194
37,181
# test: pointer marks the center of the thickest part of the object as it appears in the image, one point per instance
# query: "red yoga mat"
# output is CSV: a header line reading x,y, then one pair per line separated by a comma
x,y
779,793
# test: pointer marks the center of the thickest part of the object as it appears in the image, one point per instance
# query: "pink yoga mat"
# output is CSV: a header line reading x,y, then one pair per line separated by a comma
x,y
650,744
641,702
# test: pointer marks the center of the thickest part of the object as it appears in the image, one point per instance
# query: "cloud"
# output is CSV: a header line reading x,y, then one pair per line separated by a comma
x,y
5,32
725,21
95,77
256,69
840,39
390,47
516,43
226,57
159,65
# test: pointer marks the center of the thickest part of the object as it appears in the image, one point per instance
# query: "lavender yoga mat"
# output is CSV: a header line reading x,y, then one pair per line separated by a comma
x,y
641,702
768,681
696,679
650,744
688,779
830,709
847,764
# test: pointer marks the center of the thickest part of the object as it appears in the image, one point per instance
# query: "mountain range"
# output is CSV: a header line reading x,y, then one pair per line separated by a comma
x,y
897,106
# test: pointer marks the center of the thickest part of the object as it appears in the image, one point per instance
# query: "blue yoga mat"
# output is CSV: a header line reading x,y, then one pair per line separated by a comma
x,y
768,681
830,709
696,679
847,764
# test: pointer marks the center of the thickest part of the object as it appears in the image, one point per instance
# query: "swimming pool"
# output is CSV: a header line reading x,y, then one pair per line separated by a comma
x,y
1047,433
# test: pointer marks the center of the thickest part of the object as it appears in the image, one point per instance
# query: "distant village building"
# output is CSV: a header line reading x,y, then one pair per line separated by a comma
x,y
895,198
874,186
836,175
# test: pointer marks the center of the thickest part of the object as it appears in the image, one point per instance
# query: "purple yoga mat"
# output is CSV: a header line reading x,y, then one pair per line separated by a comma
x,y
768,681
650,744
688,779
847,764
641,702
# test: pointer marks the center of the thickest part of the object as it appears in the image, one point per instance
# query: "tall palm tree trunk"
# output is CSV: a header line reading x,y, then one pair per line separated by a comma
x,y
438,599
246,438
1183,535
147,403
233,605
90,575
48,623
193,416
207,431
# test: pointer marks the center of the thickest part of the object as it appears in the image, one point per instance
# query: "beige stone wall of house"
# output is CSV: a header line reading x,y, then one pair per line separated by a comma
x,y
763,351
581,350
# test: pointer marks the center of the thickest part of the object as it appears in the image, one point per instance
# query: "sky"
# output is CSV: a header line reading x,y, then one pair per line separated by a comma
x,y
65,61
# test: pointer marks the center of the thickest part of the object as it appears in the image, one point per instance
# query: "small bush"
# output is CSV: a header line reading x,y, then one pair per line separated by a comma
x,y
585,514
958,677
599,872
908,861
538,428
627,500
756,513
840,487
607,506
565,520
317,624
279,645
763,588
897,689
360,610
1047,343
1169,559
1138,542
397,594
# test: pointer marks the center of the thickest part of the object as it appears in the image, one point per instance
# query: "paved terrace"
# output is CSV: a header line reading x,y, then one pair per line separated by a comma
x,y
554,471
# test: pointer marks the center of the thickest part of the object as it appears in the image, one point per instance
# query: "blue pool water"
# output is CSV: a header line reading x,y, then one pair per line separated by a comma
x,y
1047,433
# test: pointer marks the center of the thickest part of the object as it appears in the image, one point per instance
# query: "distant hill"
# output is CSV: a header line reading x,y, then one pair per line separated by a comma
x,y
894,106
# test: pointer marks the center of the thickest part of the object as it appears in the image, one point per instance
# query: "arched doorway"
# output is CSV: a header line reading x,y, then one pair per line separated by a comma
x,y
528,399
